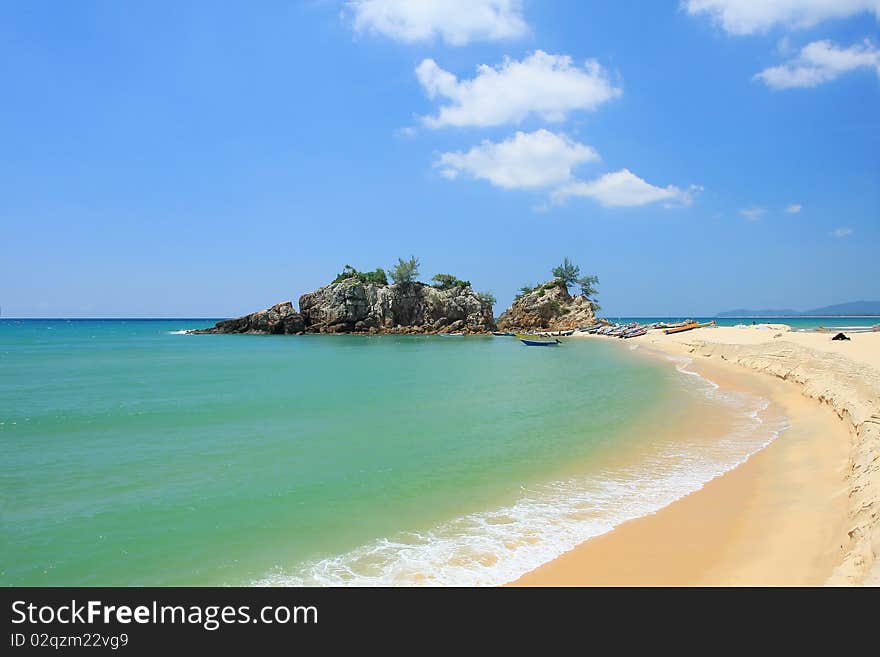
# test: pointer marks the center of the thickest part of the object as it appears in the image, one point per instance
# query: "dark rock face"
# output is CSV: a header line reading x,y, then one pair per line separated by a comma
x,y
550,308
351,306
280,318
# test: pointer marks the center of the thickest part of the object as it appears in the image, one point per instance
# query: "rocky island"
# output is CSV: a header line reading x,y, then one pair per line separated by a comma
x,y
279,319
548,307
365,302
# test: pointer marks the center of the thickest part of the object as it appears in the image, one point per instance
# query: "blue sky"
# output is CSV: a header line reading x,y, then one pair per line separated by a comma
x,y
208,159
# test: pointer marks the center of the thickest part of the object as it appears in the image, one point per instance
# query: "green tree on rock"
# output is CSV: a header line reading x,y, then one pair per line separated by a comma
x,y
348,272
588,286
567,272
527,289
405,271
448,281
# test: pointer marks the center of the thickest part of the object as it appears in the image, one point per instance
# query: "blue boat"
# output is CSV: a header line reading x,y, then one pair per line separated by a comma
x,y
539,343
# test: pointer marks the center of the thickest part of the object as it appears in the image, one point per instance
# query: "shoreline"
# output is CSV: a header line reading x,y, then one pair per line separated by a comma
x,y
797,512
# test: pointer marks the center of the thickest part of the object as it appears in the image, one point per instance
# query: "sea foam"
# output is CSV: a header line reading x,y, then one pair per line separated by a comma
x,y
495,547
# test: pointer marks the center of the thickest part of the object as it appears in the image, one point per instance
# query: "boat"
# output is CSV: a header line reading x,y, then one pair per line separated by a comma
x,y
451,335
619,330
590,329
684,327
688,327
503,333
634,333
539,343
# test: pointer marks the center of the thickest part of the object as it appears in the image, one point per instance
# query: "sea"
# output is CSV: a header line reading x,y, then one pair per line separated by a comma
x,y
132,453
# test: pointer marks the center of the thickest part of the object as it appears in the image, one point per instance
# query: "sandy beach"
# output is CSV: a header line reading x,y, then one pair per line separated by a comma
x,y
803,511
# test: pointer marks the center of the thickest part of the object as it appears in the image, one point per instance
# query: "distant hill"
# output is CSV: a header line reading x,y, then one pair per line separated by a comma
x,y
851,308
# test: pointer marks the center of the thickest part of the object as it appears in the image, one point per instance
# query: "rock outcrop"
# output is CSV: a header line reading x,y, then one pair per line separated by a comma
x,y
549,307
280,318
352,306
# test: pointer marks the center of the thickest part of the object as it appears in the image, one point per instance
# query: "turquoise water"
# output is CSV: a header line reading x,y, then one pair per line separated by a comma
x,y
133,455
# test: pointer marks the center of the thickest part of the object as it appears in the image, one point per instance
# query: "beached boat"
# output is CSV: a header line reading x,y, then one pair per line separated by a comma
x,y
590,329
619,330
688,327
539,343
685,327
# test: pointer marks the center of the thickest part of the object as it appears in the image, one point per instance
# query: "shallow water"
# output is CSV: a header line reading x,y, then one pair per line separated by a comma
x,y
132,454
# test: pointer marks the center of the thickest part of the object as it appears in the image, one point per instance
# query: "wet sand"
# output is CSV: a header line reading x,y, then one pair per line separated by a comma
x,y
784,517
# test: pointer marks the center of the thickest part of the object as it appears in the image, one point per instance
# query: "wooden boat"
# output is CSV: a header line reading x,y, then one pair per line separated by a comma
x,y
679,329
629,328
618,331
688,327
590,329
539,343
642,330
503,333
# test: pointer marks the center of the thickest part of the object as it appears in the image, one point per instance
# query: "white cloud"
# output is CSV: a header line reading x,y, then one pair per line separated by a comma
x,y
753,213
784,46
754,16
457,22
794,208
534,159
548,86
625,189
843,232
821,61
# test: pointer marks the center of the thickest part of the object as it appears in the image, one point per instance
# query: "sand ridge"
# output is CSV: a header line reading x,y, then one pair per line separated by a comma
x,y
845,375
